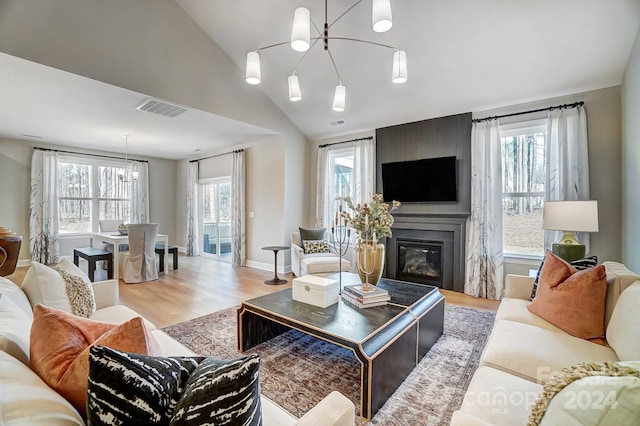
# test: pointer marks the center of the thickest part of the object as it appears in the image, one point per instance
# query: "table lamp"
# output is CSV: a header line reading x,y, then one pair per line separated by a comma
x,y
570,217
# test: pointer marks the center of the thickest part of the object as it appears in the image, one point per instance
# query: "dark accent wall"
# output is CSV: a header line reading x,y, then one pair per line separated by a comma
x,y
437,137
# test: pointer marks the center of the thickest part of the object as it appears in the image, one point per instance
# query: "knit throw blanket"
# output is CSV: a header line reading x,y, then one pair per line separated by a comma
x,y
568,375
80,293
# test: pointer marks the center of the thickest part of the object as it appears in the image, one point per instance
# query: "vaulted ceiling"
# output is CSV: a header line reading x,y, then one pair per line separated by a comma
x,y
463,55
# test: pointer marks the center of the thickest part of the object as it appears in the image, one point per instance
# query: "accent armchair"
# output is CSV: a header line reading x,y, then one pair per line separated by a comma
x,y
314,263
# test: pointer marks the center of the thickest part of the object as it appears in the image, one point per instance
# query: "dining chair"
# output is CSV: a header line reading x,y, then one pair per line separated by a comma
x,y
139,263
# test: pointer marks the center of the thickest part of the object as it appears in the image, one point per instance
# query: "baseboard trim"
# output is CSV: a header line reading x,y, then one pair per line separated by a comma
x,y
282,269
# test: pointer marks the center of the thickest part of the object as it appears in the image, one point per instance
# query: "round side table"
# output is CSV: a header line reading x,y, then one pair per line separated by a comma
x,y
275,280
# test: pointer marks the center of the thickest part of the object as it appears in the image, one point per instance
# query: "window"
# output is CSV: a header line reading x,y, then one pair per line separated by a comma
x,y
89,191
523,173
341,166
216,217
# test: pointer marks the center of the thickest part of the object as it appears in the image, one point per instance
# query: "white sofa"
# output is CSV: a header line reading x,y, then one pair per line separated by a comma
x,y
316,263
524,349
26,399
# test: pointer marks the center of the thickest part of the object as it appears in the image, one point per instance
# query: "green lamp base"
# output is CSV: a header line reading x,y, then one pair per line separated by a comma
x,y
569,252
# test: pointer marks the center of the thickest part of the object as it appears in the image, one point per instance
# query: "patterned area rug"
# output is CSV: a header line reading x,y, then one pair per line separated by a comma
x,y
297,370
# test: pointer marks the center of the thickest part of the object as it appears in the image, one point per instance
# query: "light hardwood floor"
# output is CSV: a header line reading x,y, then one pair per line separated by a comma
x,y
202,285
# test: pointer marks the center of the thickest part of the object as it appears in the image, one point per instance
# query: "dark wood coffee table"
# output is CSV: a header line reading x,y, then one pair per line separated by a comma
x,y
388,341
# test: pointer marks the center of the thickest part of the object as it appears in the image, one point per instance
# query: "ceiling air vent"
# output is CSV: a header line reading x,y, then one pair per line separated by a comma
x,y
160,107
338,123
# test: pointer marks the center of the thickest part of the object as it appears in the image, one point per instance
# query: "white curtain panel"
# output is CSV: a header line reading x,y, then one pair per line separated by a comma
x,y
567,162
323,177
238,225
43,208
484,263
193,244
364,167
140,193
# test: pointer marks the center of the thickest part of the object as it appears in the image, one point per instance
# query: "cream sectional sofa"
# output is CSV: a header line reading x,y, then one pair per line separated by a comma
x,y
26,399
524,349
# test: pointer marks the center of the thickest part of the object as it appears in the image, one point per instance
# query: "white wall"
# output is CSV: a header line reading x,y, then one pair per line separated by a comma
x,y
604,131
15,186
603,109
312,168
153,47
148,46
265,197
631,160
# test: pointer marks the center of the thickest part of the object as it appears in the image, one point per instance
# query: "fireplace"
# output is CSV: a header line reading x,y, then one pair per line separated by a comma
x,y
428,248
420,261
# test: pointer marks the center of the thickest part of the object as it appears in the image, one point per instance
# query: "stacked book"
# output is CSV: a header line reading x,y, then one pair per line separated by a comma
x,y
365,298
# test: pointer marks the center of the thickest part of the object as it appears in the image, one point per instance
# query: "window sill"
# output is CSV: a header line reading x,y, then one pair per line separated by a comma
x,y
68,236
523,259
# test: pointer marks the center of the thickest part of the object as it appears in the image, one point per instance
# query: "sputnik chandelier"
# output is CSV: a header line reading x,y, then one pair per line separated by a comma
x,y
302,41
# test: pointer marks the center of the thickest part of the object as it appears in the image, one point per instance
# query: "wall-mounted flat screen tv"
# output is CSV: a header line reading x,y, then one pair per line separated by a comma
x,y
426,180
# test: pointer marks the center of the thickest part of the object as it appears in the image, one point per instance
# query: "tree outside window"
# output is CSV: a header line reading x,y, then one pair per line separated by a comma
x,y
90,192
342,166
523,192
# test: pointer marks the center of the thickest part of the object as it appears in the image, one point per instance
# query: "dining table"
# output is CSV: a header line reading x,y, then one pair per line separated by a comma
x,y
116,239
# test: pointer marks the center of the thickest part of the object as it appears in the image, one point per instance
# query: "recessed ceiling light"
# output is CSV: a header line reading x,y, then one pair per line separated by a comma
x,y
32,136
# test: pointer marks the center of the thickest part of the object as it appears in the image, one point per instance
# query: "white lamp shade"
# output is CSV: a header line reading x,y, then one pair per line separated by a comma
x,y
339,98
294,89
301,30
399,72
253,68
381,15
573,216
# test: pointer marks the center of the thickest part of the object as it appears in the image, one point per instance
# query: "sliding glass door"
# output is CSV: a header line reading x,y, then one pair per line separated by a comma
x,y
216,218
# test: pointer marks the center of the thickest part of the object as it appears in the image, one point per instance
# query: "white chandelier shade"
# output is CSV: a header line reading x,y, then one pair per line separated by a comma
x,y
381,15
301,42
253,68
339,98
301,30
399,71
294,89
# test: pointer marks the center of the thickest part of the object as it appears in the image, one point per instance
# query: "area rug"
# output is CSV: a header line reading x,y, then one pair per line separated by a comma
x,y
297,370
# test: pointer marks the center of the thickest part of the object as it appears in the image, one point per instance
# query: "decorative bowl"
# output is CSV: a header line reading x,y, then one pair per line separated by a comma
x,y
123,231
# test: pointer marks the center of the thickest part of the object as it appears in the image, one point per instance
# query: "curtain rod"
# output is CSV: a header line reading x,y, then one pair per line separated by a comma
x,y
368,138
551,108
217,155
88,155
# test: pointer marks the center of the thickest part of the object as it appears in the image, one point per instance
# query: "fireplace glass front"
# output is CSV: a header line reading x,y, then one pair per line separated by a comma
x,y
420,261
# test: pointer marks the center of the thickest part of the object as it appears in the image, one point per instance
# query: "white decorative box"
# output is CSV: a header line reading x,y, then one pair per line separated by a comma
x,y
316,291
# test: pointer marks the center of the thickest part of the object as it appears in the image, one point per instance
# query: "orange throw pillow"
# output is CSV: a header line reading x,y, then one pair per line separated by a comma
x,y
572,300
60,344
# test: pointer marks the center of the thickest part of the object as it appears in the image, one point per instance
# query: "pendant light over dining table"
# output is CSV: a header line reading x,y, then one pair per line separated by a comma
x,y
301,41
127,174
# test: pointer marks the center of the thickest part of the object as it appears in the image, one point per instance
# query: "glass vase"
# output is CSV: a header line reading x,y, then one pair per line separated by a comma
x,y
370,258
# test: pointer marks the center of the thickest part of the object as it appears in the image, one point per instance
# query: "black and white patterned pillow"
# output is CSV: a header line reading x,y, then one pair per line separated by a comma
x,y
221,393
315,246
126,388
580,264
